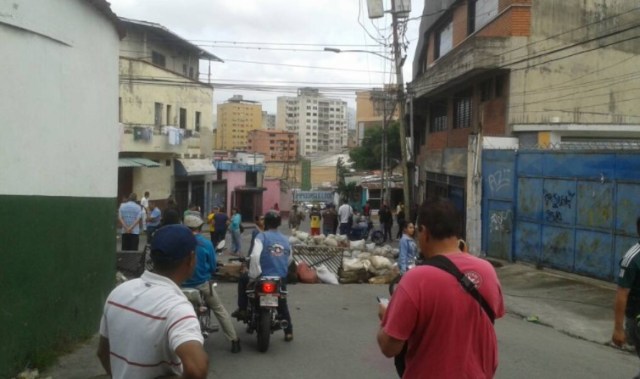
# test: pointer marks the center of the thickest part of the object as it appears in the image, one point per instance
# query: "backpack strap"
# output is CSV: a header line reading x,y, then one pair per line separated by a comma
x,y
445,264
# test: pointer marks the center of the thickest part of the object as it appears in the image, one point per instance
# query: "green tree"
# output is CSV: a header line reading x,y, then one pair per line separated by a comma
x,y
369,155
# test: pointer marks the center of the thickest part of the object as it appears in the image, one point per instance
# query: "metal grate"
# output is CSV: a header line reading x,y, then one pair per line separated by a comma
x,y
316,255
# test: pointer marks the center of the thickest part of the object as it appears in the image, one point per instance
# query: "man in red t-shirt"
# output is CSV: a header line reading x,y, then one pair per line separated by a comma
x,y
448,333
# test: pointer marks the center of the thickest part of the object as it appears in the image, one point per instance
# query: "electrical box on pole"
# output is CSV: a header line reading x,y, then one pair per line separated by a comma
x,y
375,8
402,8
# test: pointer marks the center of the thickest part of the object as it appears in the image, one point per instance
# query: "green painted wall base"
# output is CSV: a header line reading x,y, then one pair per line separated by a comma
x,y
57,268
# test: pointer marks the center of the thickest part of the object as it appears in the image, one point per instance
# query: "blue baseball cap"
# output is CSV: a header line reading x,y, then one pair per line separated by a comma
x,y
172,243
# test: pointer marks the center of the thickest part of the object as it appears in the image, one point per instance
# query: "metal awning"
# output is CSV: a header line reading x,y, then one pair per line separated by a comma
x,y
188,167
137,162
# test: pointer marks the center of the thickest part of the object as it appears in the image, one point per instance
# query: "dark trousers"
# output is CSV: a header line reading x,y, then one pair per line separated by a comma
x,y
401,224
387,232
345,228
130,241
218,235
213,238
243,300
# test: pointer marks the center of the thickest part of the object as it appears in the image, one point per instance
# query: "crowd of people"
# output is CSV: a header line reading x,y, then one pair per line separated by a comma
x,y
424,337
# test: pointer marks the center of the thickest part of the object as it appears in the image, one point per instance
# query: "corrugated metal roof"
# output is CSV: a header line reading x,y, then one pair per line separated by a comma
x,y
137,162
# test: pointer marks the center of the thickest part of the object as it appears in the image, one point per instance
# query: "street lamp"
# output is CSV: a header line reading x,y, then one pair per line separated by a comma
x,y
336,50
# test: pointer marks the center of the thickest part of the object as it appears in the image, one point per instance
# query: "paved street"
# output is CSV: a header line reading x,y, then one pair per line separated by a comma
x,y
335,327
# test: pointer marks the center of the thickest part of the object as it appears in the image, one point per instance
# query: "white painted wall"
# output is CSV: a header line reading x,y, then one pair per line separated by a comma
x,y
58,99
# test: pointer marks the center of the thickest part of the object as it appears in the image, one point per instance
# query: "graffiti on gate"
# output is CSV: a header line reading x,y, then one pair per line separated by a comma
x,y
499,180
555,203
500,221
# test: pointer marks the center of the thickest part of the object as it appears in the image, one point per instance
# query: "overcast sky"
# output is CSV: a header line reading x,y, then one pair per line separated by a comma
x,y
233,31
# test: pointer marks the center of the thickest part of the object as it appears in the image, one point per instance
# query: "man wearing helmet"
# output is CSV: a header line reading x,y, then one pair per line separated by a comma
x,y
270,256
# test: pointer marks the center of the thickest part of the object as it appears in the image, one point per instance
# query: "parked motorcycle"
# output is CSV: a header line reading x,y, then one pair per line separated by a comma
x,y
262,311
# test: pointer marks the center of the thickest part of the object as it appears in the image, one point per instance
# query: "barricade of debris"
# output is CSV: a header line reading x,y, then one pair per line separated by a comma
x,y
358,261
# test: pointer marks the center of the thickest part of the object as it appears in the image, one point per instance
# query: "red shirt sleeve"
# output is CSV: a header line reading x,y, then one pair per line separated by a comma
x,y
401,317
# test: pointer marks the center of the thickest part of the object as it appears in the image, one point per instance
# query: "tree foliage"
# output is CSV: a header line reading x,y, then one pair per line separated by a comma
x,y
369,155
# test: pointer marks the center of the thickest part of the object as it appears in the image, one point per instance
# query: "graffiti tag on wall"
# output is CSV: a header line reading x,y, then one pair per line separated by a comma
x,y
500,221
555,203
499,180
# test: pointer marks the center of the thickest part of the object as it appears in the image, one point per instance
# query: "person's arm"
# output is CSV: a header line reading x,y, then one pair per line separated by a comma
x,y
195,361
389,346
402,257
104,354
618,337
254,264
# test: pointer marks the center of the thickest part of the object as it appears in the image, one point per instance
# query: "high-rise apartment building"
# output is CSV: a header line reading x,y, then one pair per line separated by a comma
x,y
236,118
268,121
320,122
275,145
370,110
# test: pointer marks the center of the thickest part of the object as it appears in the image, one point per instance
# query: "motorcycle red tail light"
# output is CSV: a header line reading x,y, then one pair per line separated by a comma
x,y
268,287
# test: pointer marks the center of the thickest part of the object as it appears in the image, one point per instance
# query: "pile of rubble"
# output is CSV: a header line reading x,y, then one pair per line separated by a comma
x,y
361,262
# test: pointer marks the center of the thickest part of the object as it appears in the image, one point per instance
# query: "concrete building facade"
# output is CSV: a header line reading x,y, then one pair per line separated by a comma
x,y
274,145
165,113
59,153
320,122
268,121
370,110
548,73
236,118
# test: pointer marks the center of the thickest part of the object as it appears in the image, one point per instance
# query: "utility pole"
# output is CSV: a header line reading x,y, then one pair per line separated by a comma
x,y
397,53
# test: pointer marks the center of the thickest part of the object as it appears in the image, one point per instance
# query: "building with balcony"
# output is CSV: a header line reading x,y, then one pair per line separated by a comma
x,y
320,122
371,109
547,73
275,145
165,114
236,118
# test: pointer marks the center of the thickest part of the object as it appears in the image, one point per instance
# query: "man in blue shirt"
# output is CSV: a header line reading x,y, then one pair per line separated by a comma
x,y
130,217
153,222
204,270
270,256
219,225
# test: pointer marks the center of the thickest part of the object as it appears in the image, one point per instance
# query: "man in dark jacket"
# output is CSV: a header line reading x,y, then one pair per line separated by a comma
x,y
386,220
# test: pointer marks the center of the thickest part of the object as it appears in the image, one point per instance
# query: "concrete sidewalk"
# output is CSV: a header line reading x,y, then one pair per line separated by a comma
x,y
575,305
572,304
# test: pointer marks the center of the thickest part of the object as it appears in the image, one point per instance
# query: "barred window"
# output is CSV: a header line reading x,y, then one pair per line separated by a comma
x,y
462,110
438,119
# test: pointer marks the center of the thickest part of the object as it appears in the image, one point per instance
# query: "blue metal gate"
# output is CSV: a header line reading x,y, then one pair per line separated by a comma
x,y
571,211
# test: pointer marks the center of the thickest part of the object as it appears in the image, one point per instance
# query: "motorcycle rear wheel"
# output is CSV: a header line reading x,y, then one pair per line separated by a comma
x,y
264,330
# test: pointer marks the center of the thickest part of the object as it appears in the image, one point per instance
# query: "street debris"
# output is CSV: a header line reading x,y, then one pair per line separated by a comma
x,y
532,318
31,374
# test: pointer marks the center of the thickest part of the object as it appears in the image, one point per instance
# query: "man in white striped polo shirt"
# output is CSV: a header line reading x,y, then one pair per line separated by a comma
x,y
627,305
148,328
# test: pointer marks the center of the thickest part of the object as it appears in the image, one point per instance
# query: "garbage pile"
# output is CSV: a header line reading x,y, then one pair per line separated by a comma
x,y
361,262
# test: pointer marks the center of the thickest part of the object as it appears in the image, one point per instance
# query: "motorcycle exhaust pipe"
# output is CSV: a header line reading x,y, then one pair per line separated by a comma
x,y
284,324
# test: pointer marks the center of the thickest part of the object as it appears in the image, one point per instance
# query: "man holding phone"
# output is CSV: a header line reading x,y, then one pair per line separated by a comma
x,y
447,332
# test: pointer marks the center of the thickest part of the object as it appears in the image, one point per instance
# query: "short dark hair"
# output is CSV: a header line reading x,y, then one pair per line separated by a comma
x,y
440,217
170,216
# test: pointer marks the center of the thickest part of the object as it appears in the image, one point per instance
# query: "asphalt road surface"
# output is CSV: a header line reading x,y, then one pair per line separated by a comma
x,y
335,327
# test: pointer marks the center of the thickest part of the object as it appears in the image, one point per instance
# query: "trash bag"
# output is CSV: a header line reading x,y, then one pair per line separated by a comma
x,y
325,275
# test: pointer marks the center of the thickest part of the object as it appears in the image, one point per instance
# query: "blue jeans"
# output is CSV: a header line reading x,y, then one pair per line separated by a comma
x,y
235,239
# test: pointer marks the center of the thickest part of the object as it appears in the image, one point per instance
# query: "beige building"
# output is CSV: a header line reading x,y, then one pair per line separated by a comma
x,y
165,111
274,145
370,110
236,118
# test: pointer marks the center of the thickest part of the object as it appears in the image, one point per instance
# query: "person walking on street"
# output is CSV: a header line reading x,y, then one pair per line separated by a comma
x,y
386,221
234,226
145,202
400,220
408,249
627,300
271,256
212,226
148,327
130,217
447,334
345,215
315,221
295,218
329,220
153,222
201,280
220,222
